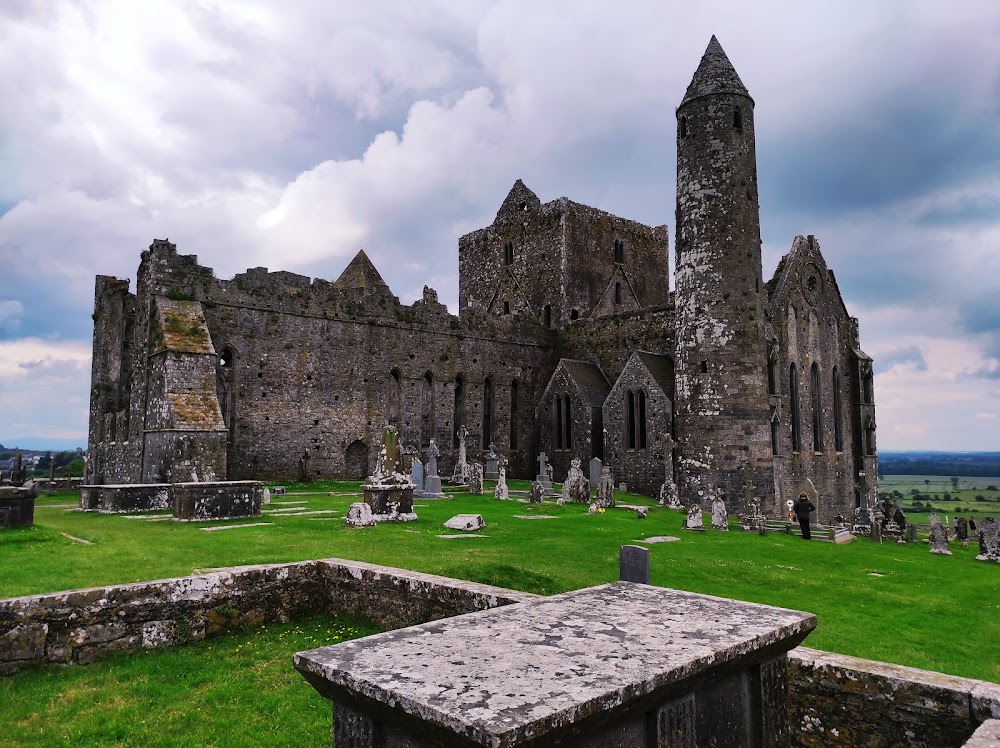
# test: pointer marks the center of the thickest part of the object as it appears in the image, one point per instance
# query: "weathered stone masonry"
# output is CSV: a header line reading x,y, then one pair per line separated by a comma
x,y
757,386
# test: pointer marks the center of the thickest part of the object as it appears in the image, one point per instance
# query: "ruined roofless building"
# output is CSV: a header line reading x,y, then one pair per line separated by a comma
x,y
567,341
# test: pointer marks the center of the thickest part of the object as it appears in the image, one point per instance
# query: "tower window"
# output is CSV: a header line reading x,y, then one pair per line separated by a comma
x,y
684,127
619,250
738,119
618,293
574,314
508,253
506,307
704,367
630,419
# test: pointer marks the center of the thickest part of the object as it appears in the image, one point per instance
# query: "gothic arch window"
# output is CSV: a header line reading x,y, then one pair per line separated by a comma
x,y
513,413
427,397
838,412
567,424
817,408
508,253
867,386
557,422
775,433
772,370
225,389
619,251
487,411
506,308
738,119
641,419
618,292
793,389
630,419
458,411
869,436
394,396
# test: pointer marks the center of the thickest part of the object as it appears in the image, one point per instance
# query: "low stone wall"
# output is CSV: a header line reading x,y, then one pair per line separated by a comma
x,y
58,485
126,497
221,500
82,626
835,700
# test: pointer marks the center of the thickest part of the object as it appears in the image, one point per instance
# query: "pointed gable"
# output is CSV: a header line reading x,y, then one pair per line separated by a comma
x,y
518,200
585,378
803,274
661,368
361,282
619,296
715,75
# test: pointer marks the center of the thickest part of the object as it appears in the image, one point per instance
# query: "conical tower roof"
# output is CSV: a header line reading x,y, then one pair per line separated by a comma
x,y
715,75
360,274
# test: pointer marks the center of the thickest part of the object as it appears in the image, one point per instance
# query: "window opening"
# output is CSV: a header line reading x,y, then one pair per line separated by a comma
x,y
547,315
642,419
817,408
630,418
738,119
458,411
618,293
793,388
838,412
684,127
557,423
513,414
488,411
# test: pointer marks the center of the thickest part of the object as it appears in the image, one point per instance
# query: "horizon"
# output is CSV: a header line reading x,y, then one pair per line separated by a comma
x,y
290,139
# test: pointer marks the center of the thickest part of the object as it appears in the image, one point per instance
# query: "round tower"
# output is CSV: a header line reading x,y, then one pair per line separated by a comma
x,y
722,408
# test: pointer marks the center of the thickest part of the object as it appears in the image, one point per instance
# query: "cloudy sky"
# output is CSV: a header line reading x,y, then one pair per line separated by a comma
x,y
289,135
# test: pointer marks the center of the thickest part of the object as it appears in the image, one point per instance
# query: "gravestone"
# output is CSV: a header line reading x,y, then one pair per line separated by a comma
x,y
492,463
460,476
623,487
265,497
862,521
911,531
544,474
989,540
279,490
537,491
475,473
595,472
417,476
875,532
466,522
359,515
939,539
633,564
432,481
576,487
501,492
693,519
606,489
668,490
750,517
961,528
720,517
387,491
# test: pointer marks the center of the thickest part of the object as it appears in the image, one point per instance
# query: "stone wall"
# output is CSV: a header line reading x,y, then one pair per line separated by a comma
x,y
837,700
82,626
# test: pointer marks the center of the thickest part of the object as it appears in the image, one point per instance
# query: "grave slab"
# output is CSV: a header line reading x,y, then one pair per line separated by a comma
x,y
235,527
586,668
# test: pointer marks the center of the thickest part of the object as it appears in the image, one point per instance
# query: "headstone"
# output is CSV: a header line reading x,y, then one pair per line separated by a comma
x,y
537,491
911,530
668,491
265,496
840,521
501,492
492,463
989,540
475,473
595,471
633,564
17,475
417,476
592,509
359,515
641,512
939,539
961,528
750,517
576,487
460,476
387,491
862,521
606,489
720,517
623,487
432,481
467,522
693,519
875,532
279,490
544,474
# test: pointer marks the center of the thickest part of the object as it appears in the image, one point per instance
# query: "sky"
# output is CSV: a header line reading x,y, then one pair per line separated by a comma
x,y
291,135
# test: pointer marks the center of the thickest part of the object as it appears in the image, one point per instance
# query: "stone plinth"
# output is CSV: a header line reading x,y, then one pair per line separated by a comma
x,y
127,497
620,664
387,501
218,500
17,507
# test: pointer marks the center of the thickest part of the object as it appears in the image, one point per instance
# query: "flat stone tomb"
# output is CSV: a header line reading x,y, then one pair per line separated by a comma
x,y
601,667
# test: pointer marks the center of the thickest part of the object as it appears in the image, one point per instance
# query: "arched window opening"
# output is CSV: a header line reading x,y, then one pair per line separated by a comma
x,y
487,411
225,390
557,418
738,119
395,396
775,425
867,387
567,424
226,357
838,412
870,436
817,408
513,414
508,253
684,127
547,315
642,419
630,419
458,413
619,251
427,409
772,371
793,389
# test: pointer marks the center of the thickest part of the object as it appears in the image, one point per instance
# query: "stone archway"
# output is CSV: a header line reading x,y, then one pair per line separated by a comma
x,y
356,460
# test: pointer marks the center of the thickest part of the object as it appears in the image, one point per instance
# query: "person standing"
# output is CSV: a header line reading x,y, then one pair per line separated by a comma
x,y
802,508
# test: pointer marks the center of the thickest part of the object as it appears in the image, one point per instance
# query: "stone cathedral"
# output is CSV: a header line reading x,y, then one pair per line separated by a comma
x,y
568,340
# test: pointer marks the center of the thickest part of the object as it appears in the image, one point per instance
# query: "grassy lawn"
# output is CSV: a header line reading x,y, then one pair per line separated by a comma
x,y
238,689
893,603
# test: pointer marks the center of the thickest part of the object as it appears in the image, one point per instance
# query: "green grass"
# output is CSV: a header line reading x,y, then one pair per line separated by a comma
x,y
939,613
238,689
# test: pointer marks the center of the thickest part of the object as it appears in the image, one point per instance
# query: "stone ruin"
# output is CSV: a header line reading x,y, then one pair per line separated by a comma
x,y
17,505
720,517
606,489
466,522
668,491
388,492
938,537
359,515
989,540
576,487
501,492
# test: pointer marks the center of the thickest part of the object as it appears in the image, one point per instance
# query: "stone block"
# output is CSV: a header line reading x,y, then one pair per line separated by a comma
x,y
25,642
468,522
633,564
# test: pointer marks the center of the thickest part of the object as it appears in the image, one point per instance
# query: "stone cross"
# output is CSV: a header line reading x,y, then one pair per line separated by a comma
x,y
542,464
432,458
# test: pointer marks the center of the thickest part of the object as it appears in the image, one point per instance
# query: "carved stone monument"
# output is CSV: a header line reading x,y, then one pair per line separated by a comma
x,y
720,517
475,473
693,519
466,522
938,537
606,489
501,492
432,481
989,540
537,491
576,487
460,476
359,515
417,475
387,491
595,472
492,463
544,474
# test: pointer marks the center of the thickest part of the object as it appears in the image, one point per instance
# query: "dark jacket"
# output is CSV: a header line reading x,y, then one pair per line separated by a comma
x,y
802,508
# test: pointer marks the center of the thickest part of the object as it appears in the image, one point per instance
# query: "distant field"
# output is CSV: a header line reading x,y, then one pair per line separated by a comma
x,y
975,496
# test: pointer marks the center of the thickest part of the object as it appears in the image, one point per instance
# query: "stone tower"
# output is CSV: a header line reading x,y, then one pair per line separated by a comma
x,y
722,408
